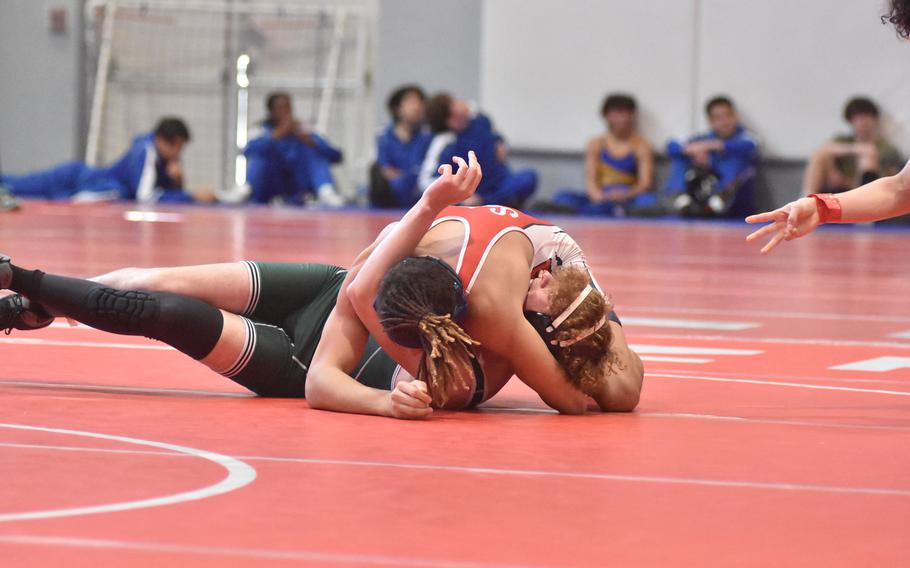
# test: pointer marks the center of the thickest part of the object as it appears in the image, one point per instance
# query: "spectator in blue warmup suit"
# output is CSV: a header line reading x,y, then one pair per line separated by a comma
x,y
457,128
401,147
713,174
287,162
149,172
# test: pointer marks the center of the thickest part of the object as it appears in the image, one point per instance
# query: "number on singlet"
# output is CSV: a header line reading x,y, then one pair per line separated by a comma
x,y
502,211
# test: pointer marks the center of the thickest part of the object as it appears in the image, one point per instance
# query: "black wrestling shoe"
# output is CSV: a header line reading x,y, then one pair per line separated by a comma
x,y
15,313
6,273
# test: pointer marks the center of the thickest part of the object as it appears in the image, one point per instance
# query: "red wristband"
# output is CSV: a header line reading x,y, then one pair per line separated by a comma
x,y
829,210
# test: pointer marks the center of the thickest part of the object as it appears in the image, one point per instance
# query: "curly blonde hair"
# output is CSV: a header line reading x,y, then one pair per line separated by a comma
x,y
587,361
899,15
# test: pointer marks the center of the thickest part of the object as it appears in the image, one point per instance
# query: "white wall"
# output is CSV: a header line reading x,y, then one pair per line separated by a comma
x,y
545,66
792,65
789,65
39,120
434,43
541,67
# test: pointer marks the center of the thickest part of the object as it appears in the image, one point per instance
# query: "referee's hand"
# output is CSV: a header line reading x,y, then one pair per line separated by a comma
x,y
792,221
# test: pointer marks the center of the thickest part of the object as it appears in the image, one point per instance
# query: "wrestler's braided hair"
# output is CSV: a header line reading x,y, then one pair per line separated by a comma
x,y
415,302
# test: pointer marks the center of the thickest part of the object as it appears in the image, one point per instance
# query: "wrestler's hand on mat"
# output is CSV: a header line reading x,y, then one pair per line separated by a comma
x,y
451,188
410,400
793,220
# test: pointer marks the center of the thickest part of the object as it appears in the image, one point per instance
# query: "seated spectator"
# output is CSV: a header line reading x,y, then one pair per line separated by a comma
x,y
456,129
401,148
619,166
854,159
286,162
714,173
148,172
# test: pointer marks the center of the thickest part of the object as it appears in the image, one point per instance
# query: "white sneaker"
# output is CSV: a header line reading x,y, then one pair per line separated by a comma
x,y
234,195
7,201
95,196
329,196
716,204
682,201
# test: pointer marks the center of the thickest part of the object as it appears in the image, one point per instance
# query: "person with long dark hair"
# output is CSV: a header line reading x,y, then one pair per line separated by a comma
x,y
899,15
880,199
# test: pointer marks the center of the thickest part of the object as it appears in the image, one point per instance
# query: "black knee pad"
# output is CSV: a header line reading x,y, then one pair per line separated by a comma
x,y
185,323
134,311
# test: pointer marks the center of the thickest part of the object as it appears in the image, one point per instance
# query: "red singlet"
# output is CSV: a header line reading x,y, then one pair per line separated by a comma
x,y
485,225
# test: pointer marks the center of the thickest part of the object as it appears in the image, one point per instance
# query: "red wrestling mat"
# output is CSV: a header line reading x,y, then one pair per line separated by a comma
x,y
774,427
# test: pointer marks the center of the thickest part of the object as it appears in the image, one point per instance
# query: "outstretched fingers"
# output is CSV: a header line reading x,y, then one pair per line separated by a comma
x,y
792,217
764,231
779,214
761,217
474,172
462,172
773,242
468,175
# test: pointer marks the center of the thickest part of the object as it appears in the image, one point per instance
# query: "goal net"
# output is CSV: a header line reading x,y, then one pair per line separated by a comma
x,y
213,62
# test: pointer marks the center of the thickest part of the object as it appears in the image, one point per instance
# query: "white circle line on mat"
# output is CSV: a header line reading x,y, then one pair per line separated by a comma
x,y
239,474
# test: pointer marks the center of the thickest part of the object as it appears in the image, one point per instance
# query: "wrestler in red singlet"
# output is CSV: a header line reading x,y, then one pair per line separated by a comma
x,y
485,225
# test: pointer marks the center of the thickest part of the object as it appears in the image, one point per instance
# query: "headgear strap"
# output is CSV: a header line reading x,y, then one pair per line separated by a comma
x,y
572,307
584,334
